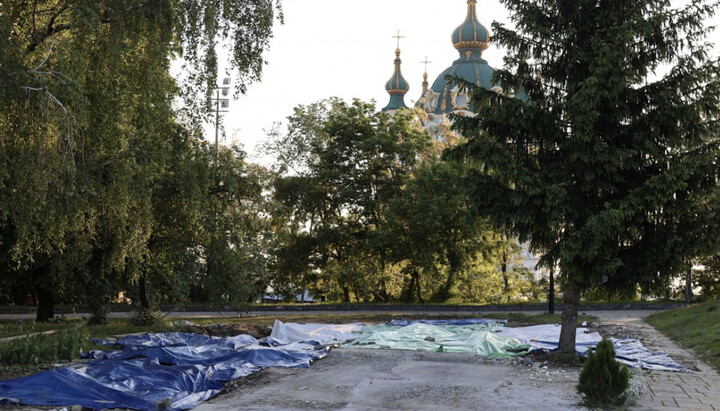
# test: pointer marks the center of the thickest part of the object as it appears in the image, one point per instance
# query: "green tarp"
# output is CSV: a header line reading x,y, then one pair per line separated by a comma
x,y
475,339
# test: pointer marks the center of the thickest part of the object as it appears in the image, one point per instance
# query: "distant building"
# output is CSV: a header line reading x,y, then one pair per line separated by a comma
x,y
470,39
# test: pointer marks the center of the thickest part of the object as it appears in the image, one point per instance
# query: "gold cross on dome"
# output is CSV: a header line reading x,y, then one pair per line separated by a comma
x,y
398,37
426,62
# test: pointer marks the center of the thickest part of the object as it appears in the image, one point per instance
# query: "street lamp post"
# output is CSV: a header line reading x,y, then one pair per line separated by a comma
x,y
222,104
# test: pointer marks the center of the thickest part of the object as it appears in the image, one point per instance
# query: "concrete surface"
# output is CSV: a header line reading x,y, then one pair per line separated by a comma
x,y
352,379
355,379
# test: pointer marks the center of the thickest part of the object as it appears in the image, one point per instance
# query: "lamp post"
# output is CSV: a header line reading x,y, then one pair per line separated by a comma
x,y
222,104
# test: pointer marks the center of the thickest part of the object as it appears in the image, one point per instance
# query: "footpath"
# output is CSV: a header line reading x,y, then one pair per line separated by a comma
x,y
699,390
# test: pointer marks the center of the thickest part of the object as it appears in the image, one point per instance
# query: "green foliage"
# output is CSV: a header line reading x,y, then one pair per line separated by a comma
x,y
609,173
145,318
708,279
330,214
603,380
364,210
100,185
11,328
65,344
43,349
696,327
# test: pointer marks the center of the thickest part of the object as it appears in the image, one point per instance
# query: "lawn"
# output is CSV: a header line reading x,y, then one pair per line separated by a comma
x,y
696,327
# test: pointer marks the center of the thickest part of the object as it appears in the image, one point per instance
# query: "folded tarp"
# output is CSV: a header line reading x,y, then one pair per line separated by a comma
x,y
285,333
184,369
475,339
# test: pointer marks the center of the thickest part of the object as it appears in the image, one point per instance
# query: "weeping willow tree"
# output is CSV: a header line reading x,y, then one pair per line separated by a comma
x,y
87,122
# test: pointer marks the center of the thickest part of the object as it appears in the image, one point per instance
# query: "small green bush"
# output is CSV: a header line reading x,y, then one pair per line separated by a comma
x,y
603,380
146,318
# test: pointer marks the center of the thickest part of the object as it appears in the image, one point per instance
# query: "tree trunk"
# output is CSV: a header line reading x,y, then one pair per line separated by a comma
x,y
503,268
571,302
410,289
417,286
46,297
688,284
46,306
383,287
383,290
144,301
346,294
450,283
551,292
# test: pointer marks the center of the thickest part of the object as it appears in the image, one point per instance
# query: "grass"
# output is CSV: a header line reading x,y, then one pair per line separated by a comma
x,y
696,327
12,328
513,318
32,353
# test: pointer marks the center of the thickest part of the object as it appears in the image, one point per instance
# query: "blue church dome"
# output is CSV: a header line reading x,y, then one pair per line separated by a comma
x,y
471,34
471,38
397,86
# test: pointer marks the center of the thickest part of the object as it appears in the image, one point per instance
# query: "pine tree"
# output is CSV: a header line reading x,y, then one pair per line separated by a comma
x,y
603,380
602,152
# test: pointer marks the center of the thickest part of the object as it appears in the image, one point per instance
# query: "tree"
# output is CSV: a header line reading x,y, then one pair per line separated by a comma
x,y
708,278
348,162
434,230
85,116
603,162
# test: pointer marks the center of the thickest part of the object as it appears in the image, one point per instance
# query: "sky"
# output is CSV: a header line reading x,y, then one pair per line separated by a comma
x,y
345,48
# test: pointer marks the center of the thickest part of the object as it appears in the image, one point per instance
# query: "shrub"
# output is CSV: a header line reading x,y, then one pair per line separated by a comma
x,y
603,380
146,318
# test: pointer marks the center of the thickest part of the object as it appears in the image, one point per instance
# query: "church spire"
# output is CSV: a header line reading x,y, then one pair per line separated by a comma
x,y
397,86
425,83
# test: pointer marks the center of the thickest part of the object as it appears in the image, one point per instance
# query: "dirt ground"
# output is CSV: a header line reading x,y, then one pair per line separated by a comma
x,y
356,379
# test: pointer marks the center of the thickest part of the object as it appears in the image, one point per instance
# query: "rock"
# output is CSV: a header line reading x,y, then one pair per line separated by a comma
x,y
163,404
429,339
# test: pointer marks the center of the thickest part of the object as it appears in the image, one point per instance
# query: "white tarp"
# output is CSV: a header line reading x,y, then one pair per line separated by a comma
x,y
546,336
483,339
283,333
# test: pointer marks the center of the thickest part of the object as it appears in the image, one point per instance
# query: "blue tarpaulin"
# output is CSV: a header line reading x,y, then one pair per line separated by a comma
x,y
184,369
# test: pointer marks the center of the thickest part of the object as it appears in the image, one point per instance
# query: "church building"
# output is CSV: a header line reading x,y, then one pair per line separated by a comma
x,y
470,39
